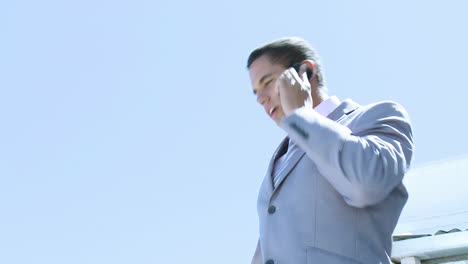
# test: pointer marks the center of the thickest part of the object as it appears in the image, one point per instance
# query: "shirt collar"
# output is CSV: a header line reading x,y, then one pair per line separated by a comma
x,y
327,106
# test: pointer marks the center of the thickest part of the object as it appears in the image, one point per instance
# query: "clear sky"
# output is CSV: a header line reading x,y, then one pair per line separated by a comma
x,y
129,132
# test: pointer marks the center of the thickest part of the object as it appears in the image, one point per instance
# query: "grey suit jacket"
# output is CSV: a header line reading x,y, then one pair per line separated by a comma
x,y
340,197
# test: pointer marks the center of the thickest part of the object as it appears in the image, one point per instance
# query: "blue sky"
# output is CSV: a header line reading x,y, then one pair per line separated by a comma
x,y
130,133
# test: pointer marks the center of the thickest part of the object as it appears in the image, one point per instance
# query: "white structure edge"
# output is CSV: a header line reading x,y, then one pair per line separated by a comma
x,y
436,246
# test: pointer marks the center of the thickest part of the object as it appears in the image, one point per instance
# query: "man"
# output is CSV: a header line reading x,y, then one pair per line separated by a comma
x,y
333,191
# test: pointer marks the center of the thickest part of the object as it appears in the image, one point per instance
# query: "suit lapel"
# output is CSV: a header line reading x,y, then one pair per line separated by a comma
x,y
289,166
268,181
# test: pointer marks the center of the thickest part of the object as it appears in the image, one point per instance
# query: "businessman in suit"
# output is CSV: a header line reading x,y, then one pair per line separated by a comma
x,y
333,191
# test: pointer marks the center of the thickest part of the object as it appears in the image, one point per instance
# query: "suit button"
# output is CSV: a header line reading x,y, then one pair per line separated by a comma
x,y
271,210
270,261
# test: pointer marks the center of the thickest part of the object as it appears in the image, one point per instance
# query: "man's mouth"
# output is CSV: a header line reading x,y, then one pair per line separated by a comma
x,y
272,110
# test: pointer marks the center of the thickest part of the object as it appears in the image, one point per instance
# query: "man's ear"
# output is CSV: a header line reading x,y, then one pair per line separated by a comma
x,y
310,64
309,68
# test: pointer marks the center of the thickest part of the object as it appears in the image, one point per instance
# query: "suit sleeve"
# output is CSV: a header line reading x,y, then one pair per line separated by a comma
x,y
363,165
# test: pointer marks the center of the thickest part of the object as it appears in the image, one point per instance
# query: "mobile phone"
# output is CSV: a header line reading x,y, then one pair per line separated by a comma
x,y
309,71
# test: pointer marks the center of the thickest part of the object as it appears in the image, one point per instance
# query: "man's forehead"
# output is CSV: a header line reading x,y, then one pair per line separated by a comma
x,y
261,68
263,60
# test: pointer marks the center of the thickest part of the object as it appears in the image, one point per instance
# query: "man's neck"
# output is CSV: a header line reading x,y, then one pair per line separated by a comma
x,y
319,97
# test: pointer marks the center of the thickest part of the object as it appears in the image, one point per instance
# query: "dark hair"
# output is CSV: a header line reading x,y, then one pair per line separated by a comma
x,y
287,51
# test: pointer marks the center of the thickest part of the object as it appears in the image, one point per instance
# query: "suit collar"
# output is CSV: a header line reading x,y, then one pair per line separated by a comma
x,y
345,108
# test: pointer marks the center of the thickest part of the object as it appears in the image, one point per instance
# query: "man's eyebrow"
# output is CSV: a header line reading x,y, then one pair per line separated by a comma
x,y
262,80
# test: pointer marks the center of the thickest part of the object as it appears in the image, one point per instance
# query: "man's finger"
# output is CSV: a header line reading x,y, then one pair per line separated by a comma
x,y
292,74
303,72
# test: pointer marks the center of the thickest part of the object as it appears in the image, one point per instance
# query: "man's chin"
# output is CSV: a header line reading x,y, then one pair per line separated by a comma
x,y
278,122
278,119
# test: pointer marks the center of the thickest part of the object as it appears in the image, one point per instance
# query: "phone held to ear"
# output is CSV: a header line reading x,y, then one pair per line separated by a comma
x,y
309,71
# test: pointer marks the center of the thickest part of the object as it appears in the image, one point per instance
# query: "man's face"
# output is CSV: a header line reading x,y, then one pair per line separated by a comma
x,y
263,75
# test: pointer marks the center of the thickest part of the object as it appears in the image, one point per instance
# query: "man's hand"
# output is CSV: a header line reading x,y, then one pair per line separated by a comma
x,y
294,91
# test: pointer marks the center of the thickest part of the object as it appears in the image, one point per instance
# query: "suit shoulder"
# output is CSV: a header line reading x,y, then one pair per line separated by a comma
x,y
384,108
